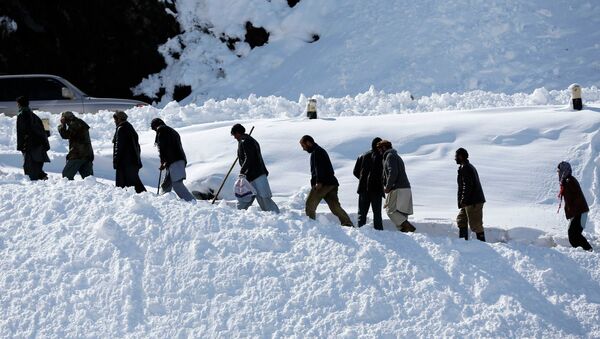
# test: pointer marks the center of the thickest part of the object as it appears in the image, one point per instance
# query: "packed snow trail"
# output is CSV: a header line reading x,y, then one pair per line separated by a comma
x,y
82,258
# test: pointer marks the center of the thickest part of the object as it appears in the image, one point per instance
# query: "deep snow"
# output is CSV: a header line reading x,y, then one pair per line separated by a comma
x,y
83,258
99,262
417,46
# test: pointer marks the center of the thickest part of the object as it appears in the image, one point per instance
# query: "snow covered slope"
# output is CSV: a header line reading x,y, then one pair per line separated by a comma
x,y
83,258
417,46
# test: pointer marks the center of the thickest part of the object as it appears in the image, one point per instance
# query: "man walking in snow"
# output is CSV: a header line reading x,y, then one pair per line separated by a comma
x,y
172,158
398,201
576,207
126,154
254,169
470,197
323,181
368,170
32,141
81,155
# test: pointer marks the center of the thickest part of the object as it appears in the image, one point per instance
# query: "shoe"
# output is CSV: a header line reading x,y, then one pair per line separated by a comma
x,y
463,232
481,236
407,227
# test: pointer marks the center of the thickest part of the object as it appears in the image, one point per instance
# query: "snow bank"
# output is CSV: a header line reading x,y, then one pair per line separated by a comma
x,y
85,259
369,103
421,47
515,148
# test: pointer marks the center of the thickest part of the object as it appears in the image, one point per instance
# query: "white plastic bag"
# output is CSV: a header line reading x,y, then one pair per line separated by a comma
x,y
243,190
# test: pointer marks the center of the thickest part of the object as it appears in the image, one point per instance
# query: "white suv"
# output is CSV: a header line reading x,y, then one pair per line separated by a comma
x,y
51,93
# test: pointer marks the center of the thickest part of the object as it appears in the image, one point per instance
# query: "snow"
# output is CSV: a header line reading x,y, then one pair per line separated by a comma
x,y
415,46
7,25
83,258
96,261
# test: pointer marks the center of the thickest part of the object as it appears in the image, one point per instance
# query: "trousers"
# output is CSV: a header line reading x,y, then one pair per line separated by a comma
x,y
373,200
576,237
330,194
263,196
83,166
471,216
174,181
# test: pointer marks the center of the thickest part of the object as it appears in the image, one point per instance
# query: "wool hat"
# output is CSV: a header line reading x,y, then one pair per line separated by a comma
x,y
120,115
156,122
463,152
68,115
384,144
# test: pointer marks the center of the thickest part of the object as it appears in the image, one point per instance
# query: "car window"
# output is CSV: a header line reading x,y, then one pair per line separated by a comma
x,y
42,88
9,90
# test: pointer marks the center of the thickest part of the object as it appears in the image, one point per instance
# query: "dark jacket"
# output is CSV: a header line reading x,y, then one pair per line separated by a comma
x,y
321,169
575,203
80,145
469,186
30,132
251,160
126,147
394,173
169,145
369,170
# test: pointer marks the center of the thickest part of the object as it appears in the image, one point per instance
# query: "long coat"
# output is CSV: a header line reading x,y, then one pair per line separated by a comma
x,y
126,147
30,131
575,203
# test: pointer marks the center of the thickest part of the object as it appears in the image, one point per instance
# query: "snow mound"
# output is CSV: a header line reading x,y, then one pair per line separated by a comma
x,y
83,258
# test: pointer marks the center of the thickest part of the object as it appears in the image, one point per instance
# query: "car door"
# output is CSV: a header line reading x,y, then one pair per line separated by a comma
x,y
8,95
46,94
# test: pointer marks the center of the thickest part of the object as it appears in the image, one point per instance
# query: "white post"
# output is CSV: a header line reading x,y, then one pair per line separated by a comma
x,y
576,101
311,109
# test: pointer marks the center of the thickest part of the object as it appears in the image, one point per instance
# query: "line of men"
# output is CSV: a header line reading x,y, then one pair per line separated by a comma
x,y
380,171
32,141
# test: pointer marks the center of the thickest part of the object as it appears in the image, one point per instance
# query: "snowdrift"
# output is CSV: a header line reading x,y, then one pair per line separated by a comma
x,y
85,259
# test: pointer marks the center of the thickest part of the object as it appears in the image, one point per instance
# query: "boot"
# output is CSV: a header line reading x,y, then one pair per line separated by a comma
x,y
407,227
481,236
463,232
